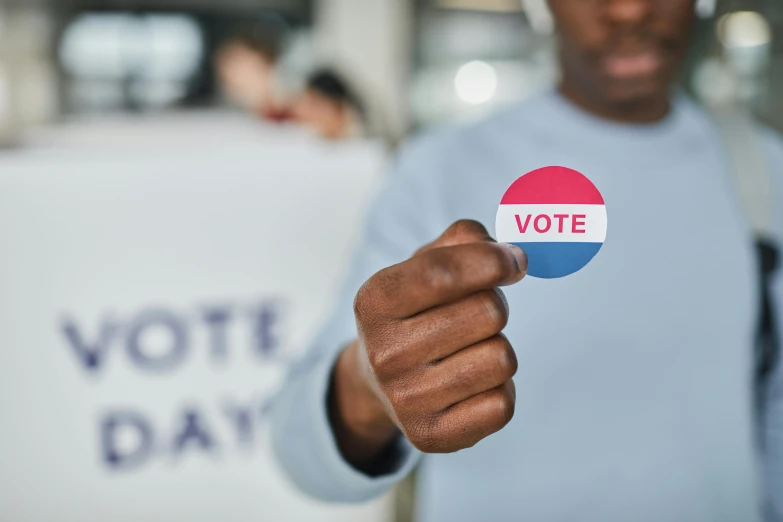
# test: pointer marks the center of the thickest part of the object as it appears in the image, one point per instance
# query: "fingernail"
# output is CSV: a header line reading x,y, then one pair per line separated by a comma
x,y
520,258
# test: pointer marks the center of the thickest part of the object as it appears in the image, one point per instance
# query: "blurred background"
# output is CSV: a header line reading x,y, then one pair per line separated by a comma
x,y
413,63
181,184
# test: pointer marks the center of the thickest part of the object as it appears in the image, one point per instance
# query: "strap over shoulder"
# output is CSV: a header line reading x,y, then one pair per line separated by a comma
x,y
752,178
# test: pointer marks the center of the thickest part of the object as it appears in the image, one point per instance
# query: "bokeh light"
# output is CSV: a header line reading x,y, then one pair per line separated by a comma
x,y
476,82
744,29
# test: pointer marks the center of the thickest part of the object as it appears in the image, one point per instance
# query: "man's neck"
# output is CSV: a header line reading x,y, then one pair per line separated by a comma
x,y
647,111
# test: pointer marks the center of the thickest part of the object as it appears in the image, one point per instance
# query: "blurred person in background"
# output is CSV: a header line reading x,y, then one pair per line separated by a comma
x,y
632,396
330,107
246,67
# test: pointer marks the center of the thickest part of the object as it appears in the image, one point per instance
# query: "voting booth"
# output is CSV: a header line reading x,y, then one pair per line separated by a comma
x,y
157,278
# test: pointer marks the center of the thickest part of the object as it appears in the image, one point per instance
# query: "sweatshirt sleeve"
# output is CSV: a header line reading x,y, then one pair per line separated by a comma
x,y
403,218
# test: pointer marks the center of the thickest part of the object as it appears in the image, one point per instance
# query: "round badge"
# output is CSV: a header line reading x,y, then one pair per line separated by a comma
x,y
557,216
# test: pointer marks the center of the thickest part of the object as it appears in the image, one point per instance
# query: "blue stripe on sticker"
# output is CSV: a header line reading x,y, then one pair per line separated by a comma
x,y
554,260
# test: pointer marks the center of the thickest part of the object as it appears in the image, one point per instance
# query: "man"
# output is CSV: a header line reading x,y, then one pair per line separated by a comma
x,y
632,397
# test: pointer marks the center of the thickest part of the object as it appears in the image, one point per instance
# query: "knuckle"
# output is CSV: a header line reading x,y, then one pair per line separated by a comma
x,y
505,405
387,359
419,432
377,358
377,295
430,445
470,444
494,311
424,436
505,359
361,307
395,397
392,356
414,392
468,372
469,228
400,396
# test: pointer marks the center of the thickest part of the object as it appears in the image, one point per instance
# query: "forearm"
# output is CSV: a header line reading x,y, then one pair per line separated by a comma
x,y
306,446
362,428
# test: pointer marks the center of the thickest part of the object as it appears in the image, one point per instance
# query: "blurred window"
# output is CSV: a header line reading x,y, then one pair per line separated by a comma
x,y
118,61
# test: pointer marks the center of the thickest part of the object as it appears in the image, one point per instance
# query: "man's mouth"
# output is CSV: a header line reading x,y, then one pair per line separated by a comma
x,y
627,66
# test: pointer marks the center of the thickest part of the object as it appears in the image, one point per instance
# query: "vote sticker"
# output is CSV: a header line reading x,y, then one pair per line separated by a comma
x,y
557,216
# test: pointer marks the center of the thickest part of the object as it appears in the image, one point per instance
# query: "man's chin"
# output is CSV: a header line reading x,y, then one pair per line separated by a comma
x,y
637,94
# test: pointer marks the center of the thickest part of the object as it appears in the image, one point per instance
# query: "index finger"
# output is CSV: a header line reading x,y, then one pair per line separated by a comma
x,y
444,275
461,232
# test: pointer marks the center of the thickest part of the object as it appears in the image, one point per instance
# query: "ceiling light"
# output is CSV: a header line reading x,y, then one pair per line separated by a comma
x,y
476,83
744,29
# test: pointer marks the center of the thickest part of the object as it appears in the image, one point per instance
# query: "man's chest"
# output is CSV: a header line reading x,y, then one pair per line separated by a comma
x,y
640,361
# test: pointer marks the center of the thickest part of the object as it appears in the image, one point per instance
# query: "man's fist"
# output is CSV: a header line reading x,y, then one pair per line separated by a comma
x,y
430,360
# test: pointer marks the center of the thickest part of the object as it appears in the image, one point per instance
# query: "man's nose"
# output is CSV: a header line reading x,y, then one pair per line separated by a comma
x,y
628,12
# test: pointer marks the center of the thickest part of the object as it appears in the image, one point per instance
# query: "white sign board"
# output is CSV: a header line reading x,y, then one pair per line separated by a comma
x,y
151,298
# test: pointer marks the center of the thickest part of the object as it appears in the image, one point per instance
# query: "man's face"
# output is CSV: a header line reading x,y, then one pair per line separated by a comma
x,y
622,53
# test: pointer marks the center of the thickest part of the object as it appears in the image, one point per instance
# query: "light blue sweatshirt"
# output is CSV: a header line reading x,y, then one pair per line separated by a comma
x,y
634,390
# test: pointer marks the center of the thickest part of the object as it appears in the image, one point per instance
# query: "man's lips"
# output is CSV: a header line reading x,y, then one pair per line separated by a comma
x,y
633,65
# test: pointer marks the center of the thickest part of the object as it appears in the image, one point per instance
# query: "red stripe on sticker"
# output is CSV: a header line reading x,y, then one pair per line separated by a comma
x,y
553,185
